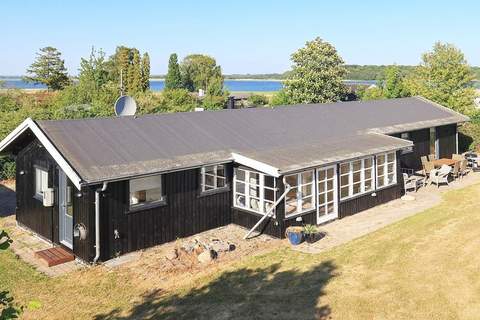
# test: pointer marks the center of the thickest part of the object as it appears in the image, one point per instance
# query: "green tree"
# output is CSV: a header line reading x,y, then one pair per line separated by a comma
x,y
258,100
317,74
373,92
444,76
198,70
134,83
48,69
126,63
145,72
176,100
393,86
279,98
173,80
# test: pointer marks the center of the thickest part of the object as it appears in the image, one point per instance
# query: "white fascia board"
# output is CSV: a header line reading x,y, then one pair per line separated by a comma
x,y
62,163
257,165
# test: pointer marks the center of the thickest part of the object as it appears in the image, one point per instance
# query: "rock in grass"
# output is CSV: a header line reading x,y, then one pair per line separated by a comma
x,y
207,256
172,255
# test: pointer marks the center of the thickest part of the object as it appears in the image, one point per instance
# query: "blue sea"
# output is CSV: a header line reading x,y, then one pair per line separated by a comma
x,y
158,84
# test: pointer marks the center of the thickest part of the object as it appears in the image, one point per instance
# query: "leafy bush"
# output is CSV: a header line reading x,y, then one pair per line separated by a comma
x,y
7,168
176,100
214,102
469,135
279,99
257,100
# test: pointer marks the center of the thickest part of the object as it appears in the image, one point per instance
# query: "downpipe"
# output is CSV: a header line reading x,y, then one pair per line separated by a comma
x,y
97,221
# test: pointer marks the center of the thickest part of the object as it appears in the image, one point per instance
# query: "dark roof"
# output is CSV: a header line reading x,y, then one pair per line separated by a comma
x,y
284,137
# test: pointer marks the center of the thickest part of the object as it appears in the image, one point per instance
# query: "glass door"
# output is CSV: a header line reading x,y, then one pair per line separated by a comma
x,y
327,198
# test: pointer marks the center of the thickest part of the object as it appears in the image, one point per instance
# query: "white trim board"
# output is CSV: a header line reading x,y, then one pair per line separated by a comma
x,y
62,163
257,165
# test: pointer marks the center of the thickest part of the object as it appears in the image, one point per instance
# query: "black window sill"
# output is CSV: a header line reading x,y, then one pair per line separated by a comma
x,y
147,206
212,192
296,215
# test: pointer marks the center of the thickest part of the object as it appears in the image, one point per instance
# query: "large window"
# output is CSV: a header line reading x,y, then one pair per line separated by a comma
x,y
41,182
146,191
386,169
213,177
356,177
253,191
300,197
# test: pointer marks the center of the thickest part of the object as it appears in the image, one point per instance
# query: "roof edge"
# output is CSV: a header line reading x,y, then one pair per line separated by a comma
x,y
438,105
62,163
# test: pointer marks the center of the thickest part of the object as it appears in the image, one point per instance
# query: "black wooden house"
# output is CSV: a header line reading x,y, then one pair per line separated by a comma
x,y
107,186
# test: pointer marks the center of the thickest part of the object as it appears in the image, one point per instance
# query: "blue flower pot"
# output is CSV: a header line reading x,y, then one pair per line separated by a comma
x,y
295,237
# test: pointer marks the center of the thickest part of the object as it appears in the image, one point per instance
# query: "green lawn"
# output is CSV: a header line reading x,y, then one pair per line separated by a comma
x,y
423,267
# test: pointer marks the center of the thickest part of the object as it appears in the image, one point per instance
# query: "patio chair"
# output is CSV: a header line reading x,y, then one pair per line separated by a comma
x,y
431,157
458,157
456,170
464,170
428,167
440,176
409,182
424,160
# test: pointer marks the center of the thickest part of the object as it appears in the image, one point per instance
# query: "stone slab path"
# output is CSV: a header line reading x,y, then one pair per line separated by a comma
x,y
344,230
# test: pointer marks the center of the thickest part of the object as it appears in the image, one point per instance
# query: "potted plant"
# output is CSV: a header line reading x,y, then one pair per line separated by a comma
x,y
294,235
310,231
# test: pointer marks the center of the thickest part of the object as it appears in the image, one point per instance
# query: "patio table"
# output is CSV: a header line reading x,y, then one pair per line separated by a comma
x,y
444,161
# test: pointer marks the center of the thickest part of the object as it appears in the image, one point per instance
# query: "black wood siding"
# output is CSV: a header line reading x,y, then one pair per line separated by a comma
x,y
447,142
185,213
30,212
84,213
421,141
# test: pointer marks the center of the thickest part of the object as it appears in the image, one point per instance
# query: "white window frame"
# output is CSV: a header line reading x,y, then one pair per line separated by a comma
x,y
216,178
385,170
246,195
147,204
40,186
299,194
350,174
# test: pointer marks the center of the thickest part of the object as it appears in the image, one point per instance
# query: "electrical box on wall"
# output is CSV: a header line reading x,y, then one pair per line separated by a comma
x,y
48,197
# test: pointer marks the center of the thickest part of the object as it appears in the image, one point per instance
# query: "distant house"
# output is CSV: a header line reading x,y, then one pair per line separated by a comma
x,y
107,186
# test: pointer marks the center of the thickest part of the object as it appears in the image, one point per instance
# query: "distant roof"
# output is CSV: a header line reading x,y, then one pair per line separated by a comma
x,y
286,138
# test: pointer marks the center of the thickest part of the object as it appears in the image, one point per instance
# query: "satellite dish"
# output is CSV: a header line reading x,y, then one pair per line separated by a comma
x,y
125,106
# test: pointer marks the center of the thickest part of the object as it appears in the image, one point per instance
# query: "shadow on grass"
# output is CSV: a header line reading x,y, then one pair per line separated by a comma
x,y
263,293
7,201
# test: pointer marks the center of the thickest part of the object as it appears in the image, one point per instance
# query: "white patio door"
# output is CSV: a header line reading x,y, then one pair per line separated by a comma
x,y
65,210
327,198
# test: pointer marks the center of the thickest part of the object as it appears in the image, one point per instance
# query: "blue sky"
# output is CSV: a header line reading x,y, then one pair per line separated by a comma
x,y
244,36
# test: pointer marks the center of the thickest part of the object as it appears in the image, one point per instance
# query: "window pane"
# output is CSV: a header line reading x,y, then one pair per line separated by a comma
x,y
292,180
368,185
380,159
221,170
344,168
321,187
331,208
269,194
240,187
321,211
291,207
210,169
329,184
209,180
321,198
267,206
357,165
391,157
368,173
321,175
391,178
307,177
240,174
254,204
390,167
344,180
357,188
254,191
307,190
269,181
381,182
356,177
330,173
254,178
240,200
344,192
329,196
220,182
368,162
380,170
307,203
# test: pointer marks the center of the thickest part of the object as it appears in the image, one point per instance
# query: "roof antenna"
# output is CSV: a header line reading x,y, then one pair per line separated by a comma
x,y
125,105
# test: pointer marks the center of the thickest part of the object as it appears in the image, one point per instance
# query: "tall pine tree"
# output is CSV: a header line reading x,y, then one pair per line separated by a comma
x,y
173,79
48,69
